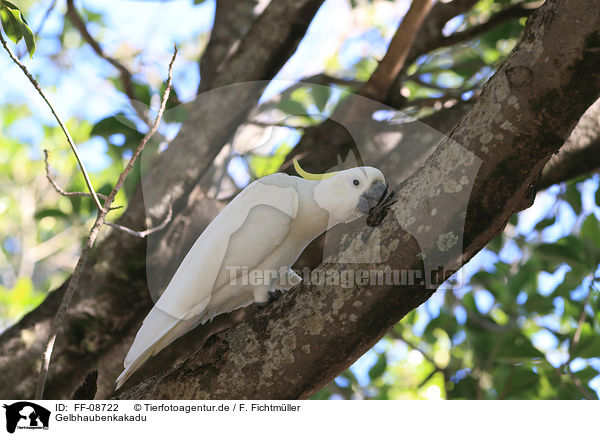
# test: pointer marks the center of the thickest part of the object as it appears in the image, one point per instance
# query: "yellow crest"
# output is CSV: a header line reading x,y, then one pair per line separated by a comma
x,y
310,176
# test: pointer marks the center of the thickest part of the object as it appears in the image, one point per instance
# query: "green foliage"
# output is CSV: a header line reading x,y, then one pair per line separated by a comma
x,y
356,3
15,26
19,299
261,165
378,369
42,232
115,125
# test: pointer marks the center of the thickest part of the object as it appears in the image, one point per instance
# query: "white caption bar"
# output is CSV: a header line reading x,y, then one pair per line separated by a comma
x,y
90,418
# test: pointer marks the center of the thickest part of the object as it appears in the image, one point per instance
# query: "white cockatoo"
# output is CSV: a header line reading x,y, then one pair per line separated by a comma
x,y
260,233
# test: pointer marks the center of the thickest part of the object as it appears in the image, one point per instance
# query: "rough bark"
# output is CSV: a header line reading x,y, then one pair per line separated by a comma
x,y
580,154
233,19
522,118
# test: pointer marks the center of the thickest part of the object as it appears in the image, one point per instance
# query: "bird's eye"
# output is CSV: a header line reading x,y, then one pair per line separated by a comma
x,y
355,182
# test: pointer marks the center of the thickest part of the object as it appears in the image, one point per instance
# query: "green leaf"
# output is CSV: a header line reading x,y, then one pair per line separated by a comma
x,y
573,197
323,394
590,235
444,321
15,25
525,279
320,95
142,92
586,374
516,347
496,244
547,222
590,230
494,283
378,368
10,27
109,126
21,298
56,213
118,123
466,388
261,165
572,280
539,304
569,249
518,381
589,343
505,31
291,107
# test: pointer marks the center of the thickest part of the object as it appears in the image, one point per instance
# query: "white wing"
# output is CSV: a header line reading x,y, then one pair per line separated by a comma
x,y
241,235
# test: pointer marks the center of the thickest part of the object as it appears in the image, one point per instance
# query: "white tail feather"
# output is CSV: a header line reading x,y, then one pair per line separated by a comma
x,y
147,343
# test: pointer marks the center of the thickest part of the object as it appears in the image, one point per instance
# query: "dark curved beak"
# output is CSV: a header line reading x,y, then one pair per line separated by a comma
x,y
371,197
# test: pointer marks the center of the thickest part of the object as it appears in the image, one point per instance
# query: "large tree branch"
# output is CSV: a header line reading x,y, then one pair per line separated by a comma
x,y
521,119
580,154
233,19
378,85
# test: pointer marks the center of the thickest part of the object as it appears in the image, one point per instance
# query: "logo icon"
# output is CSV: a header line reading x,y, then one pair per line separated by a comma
x,y
26,415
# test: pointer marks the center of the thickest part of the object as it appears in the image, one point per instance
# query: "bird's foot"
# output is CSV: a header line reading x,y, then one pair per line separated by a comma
x,y
272,295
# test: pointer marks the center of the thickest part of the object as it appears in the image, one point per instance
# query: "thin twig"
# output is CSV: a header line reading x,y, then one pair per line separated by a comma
x,y
64,193
580,322
515,11
61,191
125,74
58,320
431,38
148,135
144,233
578,384
36,85
418,80
396,335
378,85
574,379
573,344
279,124
45,18
317,79
477,319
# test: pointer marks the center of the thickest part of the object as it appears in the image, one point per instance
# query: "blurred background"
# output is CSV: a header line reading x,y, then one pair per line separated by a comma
x,y
523,321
